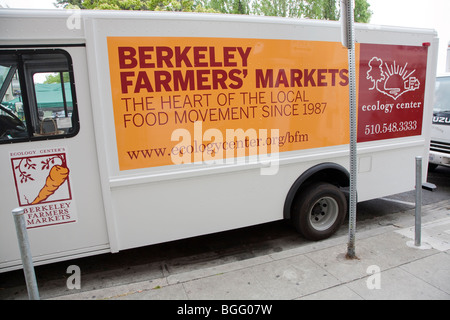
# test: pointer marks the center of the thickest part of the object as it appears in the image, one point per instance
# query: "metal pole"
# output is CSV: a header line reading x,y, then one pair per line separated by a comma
x,y
418,210
349,41
25,252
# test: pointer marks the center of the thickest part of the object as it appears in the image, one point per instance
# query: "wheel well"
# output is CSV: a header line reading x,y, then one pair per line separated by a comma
x,y
326,172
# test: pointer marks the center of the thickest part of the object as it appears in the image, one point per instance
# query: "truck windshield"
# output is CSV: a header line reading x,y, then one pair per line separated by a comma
x,y
12,119
6,76
442,95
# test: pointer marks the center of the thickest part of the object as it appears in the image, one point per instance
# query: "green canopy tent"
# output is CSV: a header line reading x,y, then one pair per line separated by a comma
x,y
49,97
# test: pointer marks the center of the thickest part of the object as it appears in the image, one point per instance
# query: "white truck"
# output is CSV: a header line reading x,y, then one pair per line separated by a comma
x,y
126,129
440,130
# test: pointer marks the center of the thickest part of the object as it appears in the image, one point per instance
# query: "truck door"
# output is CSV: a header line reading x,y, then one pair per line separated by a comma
x,y
48,155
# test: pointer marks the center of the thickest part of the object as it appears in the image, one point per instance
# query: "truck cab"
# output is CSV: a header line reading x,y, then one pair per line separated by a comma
x,y
440,130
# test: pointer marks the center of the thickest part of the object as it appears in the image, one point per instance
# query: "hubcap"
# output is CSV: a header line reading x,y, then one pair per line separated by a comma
x,y
323,213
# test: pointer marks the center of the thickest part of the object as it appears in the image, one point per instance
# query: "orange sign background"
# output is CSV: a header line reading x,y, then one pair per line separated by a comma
x,y
163,88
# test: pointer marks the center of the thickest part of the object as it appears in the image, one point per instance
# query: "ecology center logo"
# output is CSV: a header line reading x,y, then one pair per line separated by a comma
x,y
392,80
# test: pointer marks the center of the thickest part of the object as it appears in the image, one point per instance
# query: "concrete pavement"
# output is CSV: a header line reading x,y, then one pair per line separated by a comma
x,y
388,266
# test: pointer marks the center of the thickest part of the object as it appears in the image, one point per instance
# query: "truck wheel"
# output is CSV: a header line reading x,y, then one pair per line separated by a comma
x,y
319,211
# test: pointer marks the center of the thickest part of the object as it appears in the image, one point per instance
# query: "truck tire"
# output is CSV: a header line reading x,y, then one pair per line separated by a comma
x,y
319,211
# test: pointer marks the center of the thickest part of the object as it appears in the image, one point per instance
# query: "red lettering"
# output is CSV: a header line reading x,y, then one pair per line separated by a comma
x,y
333,75
143,56
218,78
244,55
162,79
309,77
234,76
184,83
281,79
344,76
126,58
296,77
212,58
143,82
164,55
321,77
202,79
228,55
198,56
264,80
181,56
124,80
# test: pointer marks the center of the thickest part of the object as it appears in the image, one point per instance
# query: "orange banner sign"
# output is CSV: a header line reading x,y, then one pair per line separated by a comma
x,y
186,100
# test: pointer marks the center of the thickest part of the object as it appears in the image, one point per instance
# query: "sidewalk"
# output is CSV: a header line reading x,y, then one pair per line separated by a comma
x,y
389,266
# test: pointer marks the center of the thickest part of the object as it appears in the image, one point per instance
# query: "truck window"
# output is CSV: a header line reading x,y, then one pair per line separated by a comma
x,y
442,95
37,95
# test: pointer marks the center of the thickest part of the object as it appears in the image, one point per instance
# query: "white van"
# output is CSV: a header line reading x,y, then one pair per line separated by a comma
x,y
126,129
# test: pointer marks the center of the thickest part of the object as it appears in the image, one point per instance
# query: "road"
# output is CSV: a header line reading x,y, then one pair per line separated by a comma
x,y
157,261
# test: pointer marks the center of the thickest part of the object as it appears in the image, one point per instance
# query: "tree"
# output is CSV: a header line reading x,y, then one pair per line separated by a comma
x,y
311,9
226,6
56,78
151,5
69,3
278,8
362,11
320,9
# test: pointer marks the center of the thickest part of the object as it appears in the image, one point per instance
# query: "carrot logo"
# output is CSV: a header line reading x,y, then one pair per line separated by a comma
x,y
57,176
41,177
